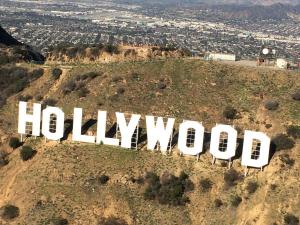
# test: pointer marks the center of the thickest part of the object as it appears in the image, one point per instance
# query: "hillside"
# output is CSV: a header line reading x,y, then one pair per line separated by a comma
x,y
64,181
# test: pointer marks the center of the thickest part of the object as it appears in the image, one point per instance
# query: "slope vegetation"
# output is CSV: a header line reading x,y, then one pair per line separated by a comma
x,y
88,184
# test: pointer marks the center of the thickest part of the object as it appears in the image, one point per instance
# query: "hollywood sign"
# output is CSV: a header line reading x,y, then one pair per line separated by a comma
x,y
256,145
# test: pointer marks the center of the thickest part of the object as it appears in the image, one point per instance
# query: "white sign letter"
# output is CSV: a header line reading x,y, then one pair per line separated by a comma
x,y
229,152
34,118
198,139
127,131
101,130
59,126
77,134
260,157
158,132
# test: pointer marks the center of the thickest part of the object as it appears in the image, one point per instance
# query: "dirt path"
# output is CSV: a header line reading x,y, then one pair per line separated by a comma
x,y
57,84
6,188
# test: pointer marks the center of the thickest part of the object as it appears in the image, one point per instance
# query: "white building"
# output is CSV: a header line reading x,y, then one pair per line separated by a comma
x,y
281,63
220,57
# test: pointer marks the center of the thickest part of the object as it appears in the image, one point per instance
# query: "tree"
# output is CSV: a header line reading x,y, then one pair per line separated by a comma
x,y
9,212
14,142
27,153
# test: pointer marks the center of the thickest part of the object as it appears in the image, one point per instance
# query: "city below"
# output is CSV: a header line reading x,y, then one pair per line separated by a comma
x,y
197,28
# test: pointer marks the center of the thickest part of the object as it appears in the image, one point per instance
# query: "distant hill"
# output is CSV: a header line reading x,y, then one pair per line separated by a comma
x,y
256,2
257,12
240,2
11,50
6,39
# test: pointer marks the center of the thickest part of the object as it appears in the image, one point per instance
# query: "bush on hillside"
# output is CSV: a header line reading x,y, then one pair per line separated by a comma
x,y
120,91
290,219
111,49
27,153
38,98
93,75
112,221
205,184
83,92
59,221
161,85
231,177
24,98
293,131
103,179
296,96
252,186
283,142
56,73
37,73
218,203
49,102
230,113
14,80
271,105
235,200
3,159
169,189
69,87
287,160
9,212
116,79
14,142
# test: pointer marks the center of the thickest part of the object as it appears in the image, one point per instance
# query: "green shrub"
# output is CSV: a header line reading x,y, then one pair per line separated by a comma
x,y
235,200
230,113
161,85
271,105
188,184
93,75
37,73
27,153
252,187
169,189
205,184
24,98
287,160
3,159
293,131
103,179
273,187
112,221
39,98
49,102
116,79
56,73
111,49
14,142
231,177
283,142
59,221
9,212
290,219
218,203
296,96
69,87
171,192
135,77
83,92
120,91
